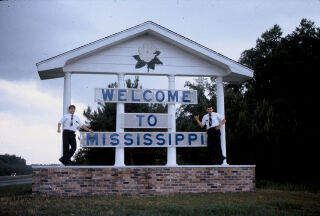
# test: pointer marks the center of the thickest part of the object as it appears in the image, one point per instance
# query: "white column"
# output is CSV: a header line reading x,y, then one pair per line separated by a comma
x,y
119,157
66,92
66,97
220,110
171,153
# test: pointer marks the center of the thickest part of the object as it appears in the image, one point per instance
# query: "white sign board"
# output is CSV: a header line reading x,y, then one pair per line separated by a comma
x,y
145,120
133,95
143,139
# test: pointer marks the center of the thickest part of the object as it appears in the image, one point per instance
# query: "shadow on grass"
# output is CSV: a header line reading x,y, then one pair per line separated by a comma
x,y
265,184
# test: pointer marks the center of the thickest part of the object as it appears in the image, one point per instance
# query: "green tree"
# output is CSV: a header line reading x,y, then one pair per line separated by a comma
x,y
281,96
13,164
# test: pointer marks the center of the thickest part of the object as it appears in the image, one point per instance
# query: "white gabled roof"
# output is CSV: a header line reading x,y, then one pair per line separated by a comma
x,y
234,71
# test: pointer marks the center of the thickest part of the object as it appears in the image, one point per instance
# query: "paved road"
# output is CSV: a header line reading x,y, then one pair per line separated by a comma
x,y
16,181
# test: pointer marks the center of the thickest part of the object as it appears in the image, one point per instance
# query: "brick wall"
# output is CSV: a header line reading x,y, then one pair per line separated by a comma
x,y
141,180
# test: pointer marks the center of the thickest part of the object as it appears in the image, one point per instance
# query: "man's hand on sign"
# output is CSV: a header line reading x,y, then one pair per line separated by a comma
x,y
90,131
196,117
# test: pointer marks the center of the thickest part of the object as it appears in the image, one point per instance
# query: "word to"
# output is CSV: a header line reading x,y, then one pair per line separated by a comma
x,y
145,120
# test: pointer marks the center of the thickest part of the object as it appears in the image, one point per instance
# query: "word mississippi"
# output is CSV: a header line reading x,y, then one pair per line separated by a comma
x,y
113,95
143,139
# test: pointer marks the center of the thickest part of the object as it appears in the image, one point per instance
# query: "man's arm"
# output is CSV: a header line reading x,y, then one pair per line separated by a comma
x,y
83,125
87,129
63,119
221,123
198,121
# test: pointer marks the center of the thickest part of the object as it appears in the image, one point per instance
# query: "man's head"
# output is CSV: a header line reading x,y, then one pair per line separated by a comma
x,y
72,109
209,109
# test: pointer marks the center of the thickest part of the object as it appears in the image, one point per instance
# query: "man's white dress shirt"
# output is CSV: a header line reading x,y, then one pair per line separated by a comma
x,y
66,122
216,120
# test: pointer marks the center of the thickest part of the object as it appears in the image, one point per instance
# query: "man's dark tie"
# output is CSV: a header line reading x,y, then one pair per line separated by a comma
x,y
210,120
71,123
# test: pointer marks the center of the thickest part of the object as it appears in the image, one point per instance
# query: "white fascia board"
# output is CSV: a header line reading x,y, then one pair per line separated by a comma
x,y
241,71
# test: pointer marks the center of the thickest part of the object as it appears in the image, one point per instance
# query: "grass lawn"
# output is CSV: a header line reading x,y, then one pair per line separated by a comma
x,y
17,200
7,178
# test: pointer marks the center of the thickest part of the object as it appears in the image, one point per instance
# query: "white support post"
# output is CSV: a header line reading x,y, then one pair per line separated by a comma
x,y
119,157
171,153
220,110
66,92
66,97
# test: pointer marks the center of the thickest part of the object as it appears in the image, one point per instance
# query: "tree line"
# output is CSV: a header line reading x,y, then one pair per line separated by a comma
x,y
272,119
13,164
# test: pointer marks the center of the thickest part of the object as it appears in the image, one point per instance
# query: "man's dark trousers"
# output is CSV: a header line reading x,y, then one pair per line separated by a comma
x,y
214,144
69,138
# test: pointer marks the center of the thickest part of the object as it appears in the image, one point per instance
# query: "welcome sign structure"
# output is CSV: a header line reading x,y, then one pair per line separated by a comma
x,y
144,120
145,49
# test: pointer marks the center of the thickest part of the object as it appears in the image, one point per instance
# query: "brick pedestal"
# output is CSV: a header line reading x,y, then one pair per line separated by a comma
x,y
101,180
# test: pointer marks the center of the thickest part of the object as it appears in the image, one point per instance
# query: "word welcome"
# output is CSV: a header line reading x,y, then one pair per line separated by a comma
x,y
143,139
145,120
113,95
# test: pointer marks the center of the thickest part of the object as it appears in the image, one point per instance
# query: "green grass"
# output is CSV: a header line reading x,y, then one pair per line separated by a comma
x,y
17,200
7,178
15,190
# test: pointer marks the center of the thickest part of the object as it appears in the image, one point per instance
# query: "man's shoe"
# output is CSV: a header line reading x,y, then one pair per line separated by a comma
x,y
63,161
222,159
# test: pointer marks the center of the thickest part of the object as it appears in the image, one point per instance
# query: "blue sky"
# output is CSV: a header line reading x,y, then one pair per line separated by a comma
x,y
32,31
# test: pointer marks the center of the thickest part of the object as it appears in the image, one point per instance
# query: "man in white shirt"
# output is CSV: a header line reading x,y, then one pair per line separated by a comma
x,y
70,124
213,122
